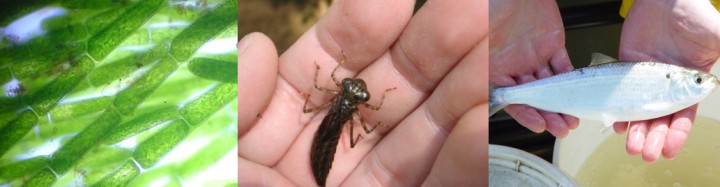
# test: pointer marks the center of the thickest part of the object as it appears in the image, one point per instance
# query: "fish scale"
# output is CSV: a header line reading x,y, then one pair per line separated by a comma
x,y
612,92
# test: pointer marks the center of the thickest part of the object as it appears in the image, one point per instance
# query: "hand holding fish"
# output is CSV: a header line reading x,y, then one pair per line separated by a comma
x,y
427,121
528,37
682,32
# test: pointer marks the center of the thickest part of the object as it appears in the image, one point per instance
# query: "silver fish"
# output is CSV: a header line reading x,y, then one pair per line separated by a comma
x,y
612,91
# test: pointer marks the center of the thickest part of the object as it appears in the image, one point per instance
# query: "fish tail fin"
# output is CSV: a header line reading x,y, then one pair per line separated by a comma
x,y
495,102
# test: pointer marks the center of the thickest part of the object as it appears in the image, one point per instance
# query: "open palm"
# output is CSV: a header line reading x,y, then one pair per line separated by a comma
x,y
685,33
433,58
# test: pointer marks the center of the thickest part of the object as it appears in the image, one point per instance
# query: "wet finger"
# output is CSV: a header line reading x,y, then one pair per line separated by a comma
x,y
543,73
636,137
525,78
571,121
560,62
655,139
555,124
678,133
620,127
527,116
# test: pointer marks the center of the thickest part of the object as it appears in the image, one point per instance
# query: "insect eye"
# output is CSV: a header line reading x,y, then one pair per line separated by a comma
x,y
362,96
698,79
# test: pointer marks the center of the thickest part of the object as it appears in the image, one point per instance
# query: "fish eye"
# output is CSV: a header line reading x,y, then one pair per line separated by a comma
x,y
698,79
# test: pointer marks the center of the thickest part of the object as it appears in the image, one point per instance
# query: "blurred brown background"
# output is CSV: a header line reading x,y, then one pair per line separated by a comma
x,y
281,20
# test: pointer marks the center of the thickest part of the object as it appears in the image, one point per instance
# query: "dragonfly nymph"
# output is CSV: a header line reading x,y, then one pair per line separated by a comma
x,y
353,92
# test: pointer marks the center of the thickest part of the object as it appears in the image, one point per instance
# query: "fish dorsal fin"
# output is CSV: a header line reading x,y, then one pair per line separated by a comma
x,y
599,58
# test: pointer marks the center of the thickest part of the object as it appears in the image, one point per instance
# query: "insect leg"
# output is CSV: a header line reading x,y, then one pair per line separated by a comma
x,y
364,126
381,100
328,90
308,110
352,143
342,61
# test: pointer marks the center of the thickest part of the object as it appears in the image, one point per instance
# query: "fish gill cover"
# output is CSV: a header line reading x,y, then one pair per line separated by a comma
x,y
116,93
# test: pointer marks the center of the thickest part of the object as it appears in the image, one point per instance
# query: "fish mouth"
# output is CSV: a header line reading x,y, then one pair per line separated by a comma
x,y
715,82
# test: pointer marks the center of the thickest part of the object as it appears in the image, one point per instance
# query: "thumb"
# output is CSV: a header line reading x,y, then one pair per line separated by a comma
x,y
257,75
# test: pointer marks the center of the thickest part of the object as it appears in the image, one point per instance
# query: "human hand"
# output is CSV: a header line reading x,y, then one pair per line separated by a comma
x,y
435,119
682,32
525,37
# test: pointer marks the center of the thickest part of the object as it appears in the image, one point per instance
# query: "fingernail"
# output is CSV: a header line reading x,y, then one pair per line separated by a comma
x,y
569,68
670,157
244,42
539,122
544,73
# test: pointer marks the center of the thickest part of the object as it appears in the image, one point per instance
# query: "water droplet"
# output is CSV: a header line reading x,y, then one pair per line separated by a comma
x,y
676,184
668,172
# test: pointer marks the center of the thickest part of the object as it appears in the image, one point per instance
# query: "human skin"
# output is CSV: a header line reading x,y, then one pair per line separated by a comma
x,y
681,32
526,38
435,121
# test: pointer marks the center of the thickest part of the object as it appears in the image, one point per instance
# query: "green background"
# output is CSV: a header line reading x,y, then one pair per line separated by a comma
x,y
121,91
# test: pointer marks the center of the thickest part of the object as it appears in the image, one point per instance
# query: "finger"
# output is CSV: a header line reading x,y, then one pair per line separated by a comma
x,y
503,80
433,43
655,139
361,30
364,30
253,174
281,122
527,116
460,163
560,61
257,73
620,127
438,36
571,121
679,130
555,123
407,153
636,137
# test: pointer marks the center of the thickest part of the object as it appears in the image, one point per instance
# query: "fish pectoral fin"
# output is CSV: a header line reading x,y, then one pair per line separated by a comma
x,y
599,58
605,129
608,119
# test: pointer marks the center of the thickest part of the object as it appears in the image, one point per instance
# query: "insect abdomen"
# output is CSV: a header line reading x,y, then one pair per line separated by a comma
x,y
322,152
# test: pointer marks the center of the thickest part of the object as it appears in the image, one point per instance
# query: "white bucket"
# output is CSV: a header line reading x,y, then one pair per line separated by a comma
x,y
508,166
